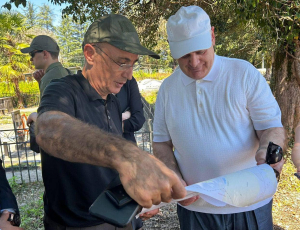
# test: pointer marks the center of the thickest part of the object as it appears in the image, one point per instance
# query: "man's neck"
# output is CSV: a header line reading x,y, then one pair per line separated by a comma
x,y
87,74
49,63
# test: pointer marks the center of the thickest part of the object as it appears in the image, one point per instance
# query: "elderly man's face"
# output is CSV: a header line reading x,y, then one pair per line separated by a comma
x,y
197,64
108,76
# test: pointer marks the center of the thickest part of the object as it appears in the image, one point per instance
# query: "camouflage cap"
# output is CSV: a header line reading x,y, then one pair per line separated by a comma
x,y
119,32
42,42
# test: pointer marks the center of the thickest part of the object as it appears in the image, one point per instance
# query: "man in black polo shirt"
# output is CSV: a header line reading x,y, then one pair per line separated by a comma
x,y
79,129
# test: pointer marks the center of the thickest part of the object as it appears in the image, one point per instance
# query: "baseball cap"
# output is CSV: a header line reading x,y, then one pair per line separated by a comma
x,y
188,30
42,42
119,32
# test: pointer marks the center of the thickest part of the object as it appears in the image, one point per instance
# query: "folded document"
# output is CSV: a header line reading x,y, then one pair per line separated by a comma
x,y
240,189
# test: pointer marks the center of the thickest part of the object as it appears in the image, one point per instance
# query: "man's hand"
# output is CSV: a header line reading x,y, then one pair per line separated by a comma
x,y
38,74
31,118
6,225
189,200
126,115
148,215
260,158
149,181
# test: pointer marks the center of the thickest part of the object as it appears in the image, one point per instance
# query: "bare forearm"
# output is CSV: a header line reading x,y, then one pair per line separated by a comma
x,y
144,177
164,152
275,135
68,138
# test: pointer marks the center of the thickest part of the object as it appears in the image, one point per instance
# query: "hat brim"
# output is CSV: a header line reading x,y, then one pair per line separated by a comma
x,y
134,48
27,50
201,42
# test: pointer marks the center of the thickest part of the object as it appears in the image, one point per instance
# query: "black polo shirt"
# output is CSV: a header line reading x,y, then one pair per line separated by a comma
x,y
70,188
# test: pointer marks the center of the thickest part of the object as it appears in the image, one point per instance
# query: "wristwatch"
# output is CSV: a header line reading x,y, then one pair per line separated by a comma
x,y
14,219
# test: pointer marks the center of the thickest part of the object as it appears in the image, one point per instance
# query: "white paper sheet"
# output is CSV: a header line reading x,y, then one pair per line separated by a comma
x,y
239,189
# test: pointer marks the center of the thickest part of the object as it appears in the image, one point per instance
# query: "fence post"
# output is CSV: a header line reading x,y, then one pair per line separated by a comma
x,y
5,148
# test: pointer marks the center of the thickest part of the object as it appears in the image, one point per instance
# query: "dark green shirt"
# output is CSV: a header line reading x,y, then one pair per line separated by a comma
x,y
54,71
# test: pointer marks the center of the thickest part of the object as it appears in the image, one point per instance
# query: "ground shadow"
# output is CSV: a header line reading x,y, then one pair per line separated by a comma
x,y
275,227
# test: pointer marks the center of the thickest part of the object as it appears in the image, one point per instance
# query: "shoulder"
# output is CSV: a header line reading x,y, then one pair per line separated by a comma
x,y
172,80
67,83
236,64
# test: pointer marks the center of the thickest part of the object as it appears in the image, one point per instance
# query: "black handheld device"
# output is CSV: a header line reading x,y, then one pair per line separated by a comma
x,y
274,155
297,175
115,206
118,196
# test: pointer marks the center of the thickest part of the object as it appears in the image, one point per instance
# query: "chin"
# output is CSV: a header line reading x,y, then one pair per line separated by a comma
x,y
116,90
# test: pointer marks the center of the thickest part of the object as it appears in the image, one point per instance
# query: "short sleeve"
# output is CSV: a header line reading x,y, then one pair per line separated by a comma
x,y
160,130
58,96
263,108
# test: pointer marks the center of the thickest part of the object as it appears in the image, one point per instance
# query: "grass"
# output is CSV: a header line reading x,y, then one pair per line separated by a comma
x,y
285,208
29,197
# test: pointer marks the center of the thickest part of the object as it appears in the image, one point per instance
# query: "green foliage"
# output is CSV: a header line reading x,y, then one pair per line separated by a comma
x,y
70,37
279,20
150,96
140,75
32,214
30,14
25,87
30,202
15,187
45,17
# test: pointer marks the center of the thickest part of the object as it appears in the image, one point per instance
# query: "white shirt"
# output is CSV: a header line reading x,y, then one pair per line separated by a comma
x,y
212,122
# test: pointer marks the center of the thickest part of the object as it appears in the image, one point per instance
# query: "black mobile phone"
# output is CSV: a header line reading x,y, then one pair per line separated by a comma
x,y
118,196
274,155
297,175
115,207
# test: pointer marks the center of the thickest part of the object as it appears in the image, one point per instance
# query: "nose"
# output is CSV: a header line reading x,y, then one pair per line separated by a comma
x,y
194,60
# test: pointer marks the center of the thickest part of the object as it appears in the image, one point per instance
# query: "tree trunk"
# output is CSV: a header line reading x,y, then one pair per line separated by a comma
x,y
285,84
18,92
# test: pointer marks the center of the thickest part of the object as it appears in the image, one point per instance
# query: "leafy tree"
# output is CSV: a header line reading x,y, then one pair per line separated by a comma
x,y
70,37
45,17
30,14
14,63
273,26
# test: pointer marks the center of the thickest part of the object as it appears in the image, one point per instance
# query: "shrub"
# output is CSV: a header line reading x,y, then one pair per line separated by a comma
x,y
150,96
141,75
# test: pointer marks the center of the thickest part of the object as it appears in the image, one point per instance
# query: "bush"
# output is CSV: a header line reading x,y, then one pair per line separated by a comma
x,y
150,96
29,89
141,75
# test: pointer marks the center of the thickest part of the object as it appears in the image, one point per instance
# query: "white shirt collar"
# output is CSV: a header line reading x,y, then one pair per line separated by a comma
x,y
212,75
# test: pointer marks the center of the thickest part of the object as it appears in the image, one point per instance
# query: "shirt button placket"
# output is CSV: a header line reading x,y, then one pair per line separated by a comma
x,y
199,96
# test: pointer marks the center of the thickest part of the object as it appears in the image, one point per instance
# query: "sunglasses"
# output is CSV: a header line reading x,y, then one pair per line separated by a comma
x,y
32,54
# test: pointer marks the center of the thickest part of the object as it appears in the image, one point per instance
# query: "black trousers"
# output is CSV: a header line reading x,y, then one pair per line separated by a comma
x,y
259,219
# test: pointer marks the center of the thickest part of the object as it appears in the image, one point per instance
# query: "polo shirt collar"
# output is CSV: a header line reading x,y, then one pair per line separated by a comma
x,y
212,75
90,91
53,65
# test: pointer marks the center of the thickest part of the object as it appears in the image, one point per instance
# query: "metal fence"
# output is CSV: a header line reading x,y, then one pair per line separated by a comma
x,y
18,160
25,165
